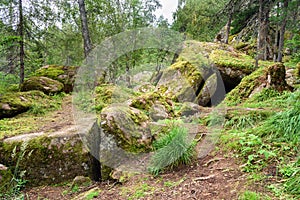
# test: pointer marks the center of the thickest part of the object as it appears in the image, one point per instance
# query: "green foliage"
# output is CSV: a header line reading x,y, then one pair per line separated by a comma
x,y
291,171
8,82
12,189
92,195
242,17
246,120
249,195
284,126
172,150
197,18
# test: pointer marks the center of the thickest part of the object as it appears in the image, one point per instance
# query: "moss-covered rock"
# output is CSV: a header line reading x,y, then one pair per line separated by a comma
x,y
189,109
265,77
12,104
47,159
128,126
63,74
159,96
183,80
208,90
158,112
44,84
107,94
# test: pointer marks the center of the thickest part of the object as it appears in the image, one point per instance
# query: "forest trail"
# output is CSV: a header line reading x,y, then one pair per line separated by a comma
x,y
215,176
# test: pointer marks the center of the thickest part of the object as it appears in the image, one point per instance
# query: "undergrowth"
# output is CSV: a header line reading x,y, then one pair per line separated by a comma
x,y
11,189
172,150
267,139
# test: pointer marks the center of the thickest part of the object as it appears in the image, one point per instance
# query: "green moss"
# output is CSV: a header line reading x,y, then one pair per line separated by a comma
x,y
107,94
240,45
51,71
233,60
190,72
146,101
245,88
39,105
44,84
47,158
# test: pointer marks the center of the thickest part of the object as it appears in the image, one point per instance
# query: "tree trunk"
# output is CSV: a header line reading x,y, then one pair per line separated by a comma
x,y
276,42
21,41
228,25
84,28
263,19
282,30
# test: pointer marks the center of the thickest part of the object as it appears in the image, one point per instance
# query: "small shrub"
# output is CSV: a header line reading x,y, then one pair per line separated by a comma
x,y
172,150
12,189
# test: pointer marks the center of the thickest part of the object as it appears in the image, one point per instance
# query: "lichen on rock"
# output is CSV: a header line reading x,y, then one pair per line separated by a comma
x,y
63,74
12,104
272,76
128,125
44,84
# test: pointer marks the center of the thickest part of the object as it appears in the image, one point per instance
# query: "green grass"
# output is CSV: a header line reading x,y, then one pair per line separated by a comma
x,y
35,117
268,136
172,150
12,186
249,195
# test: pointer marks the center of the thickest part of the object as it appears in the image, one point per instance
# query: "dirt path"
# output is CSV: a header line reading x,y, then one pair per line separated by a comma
x,y
216,176
213,177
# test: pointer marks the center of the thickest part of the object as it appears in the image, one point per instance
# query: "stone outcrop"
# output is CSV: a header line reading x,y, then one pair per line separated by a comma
x,y
63,74
44,84
12,104
47,158
272,77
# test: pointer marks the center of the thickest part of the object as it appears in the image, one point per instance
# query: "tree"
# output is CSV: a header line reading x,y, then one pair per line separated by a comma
x,y
282,30
21,41
27,24
84,28
196,18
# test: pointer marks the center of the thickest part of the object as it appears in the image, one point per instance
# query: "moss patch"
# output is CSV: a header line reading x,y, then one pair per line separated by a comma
x,y
63,74
50,71
12,104
245,88
47,160
38,106
233,60
107,94
146,101
44,84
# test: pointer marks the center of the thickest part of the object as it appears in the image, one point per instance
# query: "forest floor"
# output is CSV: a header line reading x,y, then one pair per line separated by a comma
x,y
216,176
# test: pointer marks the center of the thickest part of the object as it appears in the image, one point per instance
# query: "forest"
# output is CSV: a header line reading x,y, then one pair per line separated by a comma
x,y
106,99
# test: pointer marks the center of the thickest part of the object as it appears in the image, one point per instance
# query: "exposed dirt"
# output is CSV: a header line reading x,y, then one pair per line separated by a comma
x,y
213,177
216,176
61,118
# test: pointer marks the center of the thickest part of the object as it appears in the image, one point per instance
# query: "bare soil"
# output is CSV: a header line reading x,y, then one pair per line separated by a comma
x,y
215,176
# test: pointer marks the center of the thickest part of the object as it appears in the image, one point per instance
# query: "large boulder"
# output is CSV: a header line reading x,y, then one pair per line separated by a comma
x,y
208,90
272,77
63,74
12,104
128,125
44,84
182,80
46,158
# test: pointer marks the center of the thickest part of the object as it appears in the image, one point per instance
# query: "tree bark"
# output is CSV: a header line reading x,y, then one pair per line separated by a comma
x,y
228,25
263,19
282,30
87,45
21,41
